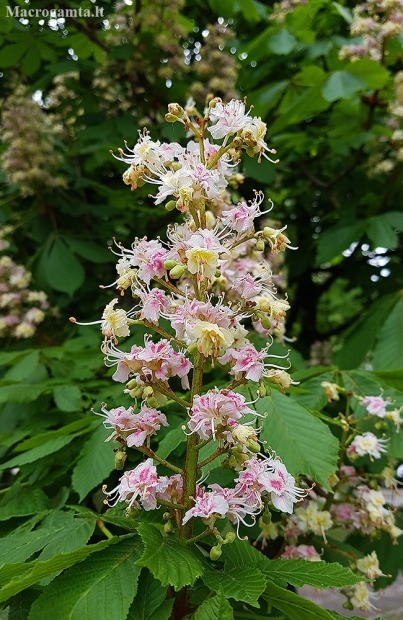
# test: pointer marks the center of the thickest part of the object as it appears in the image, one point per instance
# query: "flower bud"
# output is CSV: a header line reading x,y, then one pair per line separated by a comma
x,y
171,205
120,458
265,322
177,272
171,118
348,605
176,109
214,102
152,402
266,517
262,390
215,552
229,538
170,264
148,391
253,446
260,245
168,527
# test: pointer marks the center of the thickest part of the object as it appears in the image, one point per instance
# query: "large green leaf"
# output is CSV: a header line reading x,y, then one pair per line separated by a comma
x,y
388,353
375,75
216,608
38,453
101,587
95,463
67,397
62,270
312,395
171,441
151,595
342,85
168,561
20,393
294,607
319,575
360,337
22,501
282,42
17,577
381,233
23,368
58,532
306,105
303,442
242,583
335,240
296,572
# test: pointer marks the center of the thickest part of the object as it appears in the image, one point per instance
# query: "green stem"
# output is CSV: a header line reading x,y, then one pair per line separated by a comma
x,y
170,505
161,331
190,469
170,393
152,455
101,525
207,532
172,288
219,154
213,456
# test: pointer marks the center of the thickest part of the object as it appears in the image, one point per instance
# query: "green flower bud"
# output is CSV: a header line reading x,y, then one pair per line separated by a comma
x,y
215,553
171,118
266,517
148,391
170,206
120,458
192,348
253,446
176,109
177,272
262,390
348,605
168,527
265,321
229,538
260,245
152,402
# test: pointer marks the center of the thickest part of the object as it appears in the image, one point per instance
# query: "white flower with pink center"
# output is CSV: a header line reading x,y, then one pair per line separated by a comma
x,y
247,361
375,405
367,444
153,303
145,423
242,216
149,257
170,183
173,492
229,118
154,361
215,409
114,322
138,486
209,506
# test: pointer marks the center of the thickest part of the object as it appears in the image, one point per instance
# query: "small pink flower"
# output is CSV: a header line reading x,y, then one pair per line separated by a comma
x,y
210,504
375,405
140,485
215,409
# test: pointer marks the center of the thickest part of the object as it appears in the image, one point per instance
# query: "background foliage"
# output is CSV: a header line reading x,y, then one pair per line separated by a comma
x,y
73,90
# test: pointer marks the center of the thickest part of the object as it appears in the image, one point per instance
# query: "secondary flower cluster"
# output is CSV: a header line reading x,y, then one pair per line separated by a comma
x,y
21,310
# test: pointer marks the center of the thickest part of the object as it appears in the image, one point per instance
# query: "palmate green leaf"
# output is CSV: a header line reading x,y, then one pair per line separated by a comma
x,y
101,587
23,368
35,454
21,393
293,606
342,85
58,532
393,378
296,572
335,240
95,463
381,233
319,575
388,353
304,443
315,395
306,105
242,583
67,397
282,42
23,501
22,575
167,560
361,336
216,608
61,268
151,595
